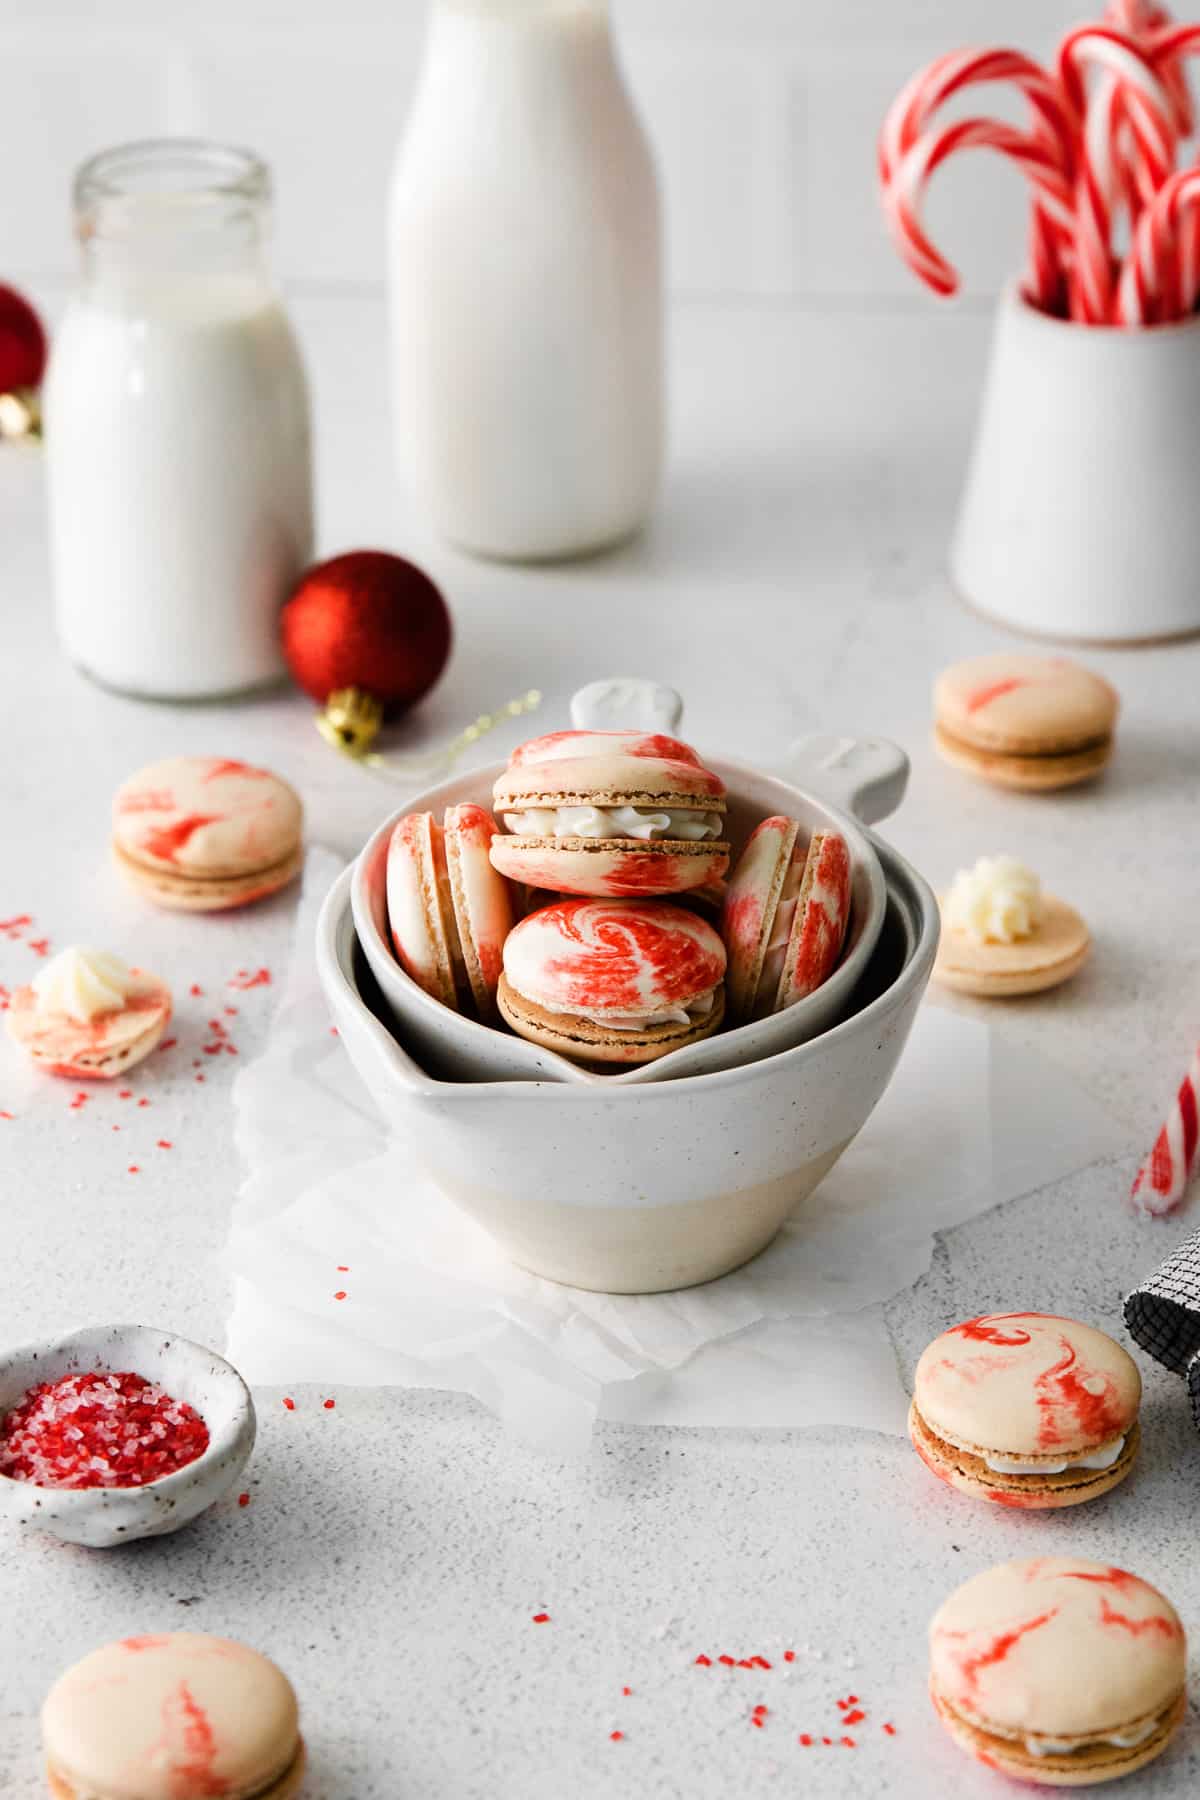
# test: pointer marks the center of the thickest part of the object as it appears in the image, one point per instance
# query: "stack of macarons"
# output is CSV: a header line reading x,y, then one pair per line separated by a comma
x,y
576,913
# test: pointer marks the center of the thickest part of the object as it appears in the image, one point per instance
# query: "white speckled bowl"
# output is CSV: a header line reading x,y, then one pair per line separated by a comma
x,y
101,1517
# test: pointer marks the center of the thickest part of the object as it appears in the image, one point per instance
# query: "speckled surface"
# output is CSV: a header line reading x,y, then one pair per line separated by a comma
x,y
395,1548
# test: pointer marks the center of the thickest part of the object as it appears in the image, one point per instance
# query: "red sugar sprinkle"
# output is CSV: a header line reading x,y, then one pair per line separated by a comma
x,y
826,1740
890,1729
134,1169
789,1656
855,1717
40,946
333,1031
244,980
806,1740
760,1662
168,1043
341,1294
627,1691
329,1405
541,1618
746,1662
243,1499
728,1661
99,1430
195,990
343,1268
143,1101
124,1093
289,1403
199,1078
616,1736
7,1115
851,1699
16,923
756,1719
703,1662
849,1743
231,1011
165,1144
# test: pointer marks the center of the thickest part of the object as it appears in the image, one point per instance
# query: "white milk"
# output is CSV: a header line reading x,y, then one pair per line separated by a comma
x,y
526,284
177,443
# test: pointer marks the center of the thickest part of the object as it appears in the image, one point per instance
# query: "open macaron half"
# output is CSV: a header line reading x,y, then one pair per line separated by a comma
x,y
610,813
449,910
785,915
614,981
1059,1672
1026,1410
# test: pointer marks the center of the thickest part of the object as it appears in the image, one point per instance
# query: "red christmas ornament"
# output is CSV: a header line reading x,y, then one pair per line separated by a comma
x,y
22,343
366,620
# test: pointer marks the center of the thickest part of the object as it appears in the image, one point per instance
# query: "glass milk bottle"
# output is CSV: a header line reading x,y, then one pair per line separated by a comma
x,y
526,294
177,429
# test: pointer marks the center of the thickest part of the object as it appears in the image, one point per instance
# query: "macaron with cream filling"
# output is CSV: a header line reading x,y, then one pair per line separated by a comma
x,y
613,981
203,833
785,915
1026,1410
1034,723
87,1015
173,1716
449,909
1059,1672
1003,936
610,813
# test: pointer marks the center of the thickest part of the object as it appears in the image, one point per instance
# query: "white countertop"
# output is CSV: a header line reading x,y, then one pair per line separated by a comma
x,y
396,1547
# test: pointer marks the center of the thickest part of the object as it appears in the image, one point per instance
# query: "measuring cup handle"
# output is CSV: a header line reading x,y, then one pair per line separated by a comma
x,y
865,776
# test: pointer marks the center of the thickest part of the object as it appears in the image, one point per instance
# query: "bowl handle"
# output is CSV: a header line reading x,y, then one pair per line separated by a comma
x,y
627,703
865,776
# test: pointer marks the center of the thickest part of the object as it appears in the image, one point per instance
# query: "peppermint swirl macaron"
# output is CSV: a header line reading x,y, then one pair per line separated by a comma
x,y
784,916
449,910
1059,1672
87,1015
1034,723
1026,1410
172,1715
610,813
613,981
203,833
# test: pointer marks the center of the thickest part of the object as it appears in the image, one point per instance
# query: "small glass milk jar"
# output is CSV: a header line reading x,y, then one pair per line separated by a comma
x,y
177,428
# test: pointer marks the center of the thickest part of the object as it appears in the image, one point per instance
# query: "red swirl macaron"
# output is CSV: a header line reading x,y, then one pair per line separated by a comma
x,y
449,910
1034,723
1026,1410
610,813
203,833
1059,1672
785,915
615,981
88,1016
173,1716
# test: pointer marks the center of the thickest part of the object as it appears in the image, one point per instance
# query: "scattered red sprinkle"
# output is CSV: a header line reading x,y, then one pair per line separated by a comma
x,y
99,1430
855,1717
756,1719
125,1094
341,1294
541,1618
289,1403
14,925
134,1169
746,1662
727,1661
168,1043
890,1729
195,990
826,1740
6,999
627,1691
243,1499
230,1011
6,1115
329,1405
199,1078
143,1101
789,1656
806,1740
40,946
116,1128
333,1031
704,1662
244,980
343,1268
165,1144
760,1662
616,1736
760,1708
849,1743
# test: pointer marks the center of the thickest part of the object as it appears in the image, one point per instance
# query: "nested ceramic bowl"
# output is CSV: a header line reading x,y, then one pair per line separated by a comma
x,y
460,1049
640,1188
102,1517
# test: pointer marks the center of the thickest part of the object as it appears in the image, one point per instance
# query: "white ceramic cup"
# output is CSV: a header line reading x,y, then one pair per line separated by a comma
x,y
1080,519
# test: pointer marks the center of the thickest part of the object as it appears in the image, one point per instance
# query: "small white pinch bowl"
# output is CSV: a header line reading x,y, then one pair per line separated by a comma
x,y
102,1517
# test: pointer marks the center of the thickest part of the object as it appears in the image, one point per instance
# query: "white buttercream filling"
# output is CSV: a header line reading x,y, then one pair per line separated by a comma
x,y
781,929
1094,1459
692,1014
83,984
1121,1740
996,902
689,824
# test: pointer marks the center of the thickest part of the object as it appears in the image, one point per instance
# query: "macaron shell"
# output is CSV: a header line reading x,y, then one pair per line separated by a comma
x,y
582,1040
287,1787
100,1048
822,915
571,746
1027,1384
1083,1768
1025,774
751,900
610,778
969,1474
1032,705
161,1717
417,884
615,867
1057,1647
207,817
1057,950
482,900
187,893
621,956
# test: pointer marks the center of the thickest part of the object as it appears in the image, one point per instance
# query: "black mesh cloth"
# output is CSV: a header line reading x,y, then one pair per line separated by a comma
x,y
1163,1316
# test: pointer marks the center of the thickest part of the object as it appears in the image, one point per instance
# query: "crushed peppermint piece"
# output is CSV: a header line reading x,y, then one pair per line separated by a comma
x,y
99,1430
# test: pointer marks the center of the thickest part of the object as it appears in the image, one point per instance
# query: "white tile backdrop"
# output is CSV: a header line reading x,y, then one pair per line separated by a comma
x,y
763,112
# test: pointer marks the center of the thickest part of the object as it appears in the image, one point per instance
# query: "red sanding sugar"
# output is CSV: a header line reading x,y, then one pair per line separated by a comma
x,y
99,1430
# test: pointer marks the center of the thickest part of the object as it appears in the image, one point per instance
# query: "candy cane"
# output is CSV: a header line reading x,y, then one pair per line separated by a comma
x,y
1052,124
1162,1179
904,192
1151,287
